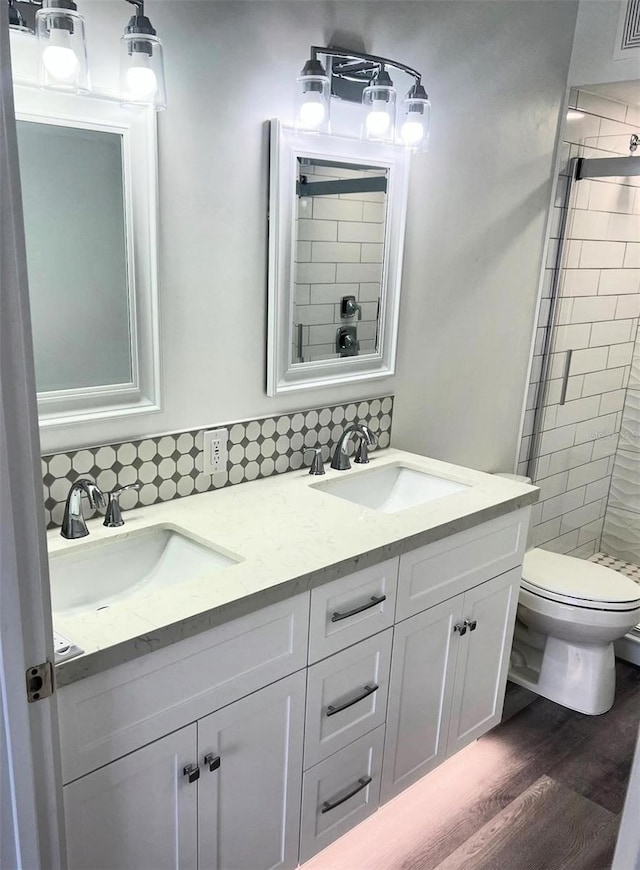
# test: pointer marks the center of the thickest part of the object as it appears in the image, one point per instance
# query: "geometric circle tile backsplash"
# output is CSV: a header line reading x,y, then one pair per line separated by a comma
x,y
171,466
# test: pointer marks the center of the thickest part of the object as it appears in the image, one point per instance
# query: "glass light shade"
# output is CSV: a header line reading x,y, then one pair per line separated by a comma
x,y
142,71
63,52
312,103
379,101
414,125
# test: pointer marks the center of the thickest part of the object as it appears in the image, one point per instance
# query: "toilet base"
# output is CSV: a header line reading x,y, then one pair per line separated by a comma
x,y
580,676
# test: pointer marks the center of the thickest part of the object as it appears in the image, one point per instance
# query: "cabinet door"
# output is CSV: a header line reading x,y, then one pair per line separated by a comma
x,y
249,805
420,691
137,813
483,659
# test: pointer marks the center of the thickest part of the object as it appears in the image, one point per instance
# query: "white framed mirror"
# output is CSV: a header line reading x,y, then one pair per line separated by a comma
x,y
88,171
337,211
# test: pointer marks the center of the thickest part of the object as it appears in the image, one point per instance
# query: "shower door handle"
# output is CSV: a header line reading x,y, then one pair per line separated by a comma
x,y
565,377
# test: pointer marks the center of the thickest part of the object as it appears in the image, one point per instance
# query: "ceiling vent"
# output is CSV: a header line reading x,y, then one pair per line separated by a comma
x,y
630,29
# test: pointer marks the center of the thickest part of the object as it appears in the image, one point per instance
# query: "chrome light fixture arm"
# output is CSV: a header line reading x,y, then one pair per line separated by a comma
x,y
369,64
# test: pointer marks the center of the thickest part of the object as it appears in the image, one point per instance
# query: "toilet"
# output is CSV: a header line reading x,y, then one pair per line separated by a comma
x,y
570,612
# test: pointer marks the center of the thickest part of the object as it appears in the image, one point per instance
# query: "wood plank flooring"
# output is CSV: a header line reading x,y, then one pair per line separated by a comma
x,y
543,791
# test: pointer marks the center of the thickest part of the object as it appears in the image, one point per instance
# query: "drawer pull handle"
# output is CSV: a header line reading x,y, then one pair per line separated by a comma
x,y
471,624
363,782
213,761
332,709
460,627
192,771
375,599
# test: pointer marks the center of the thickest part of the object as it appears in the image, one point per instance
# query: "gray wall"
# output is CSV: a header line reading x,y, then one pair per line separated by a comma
x,y
496,73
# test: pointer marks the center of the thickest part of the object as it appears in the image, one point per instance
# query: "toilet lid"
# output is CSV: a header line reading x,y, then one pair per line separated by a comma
x,y
577,581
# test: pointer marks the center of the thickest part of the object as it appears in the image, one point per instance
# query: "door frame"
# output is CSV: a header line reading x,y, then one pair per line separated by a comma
x,y
30,773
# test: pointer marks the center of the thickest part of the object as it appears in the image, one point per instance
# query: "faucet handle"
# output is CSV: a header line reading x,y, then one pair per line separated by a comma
x,y
317,465
92,491
113,516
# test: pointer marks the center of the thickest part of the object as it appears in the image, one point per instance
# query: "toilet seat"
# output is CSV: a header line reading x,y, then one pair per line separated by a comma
x,y
577,582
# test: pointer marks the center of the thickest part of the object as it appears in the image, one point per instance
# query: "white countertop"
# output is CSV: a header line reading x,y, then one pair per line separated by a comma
x,y
290,538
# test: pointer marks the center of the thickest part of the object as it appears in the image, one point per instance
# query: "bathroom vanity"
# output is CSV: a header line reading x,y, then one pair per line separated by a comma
x,y
248,717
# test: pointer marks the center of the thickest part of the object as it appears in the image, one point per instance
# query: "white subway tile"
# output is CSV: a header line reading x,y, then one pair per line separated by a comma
x,y
620,355
371,253
544,532
358,272
583,361
360,232
577,411
580,282
564,543
601,106
572,254
591,531
589,225
582,516
611,197
610,332
315,273
315,314
337,209
335,252
303,252
315,230
571,457
557,439
374,212
602,255
619,281
301,294
322,334
571,337
632,256
325,293
599,427
585,551
633,116
603,382
593,308
622,227
369,292
562,504
598,489
605,446
582,130
628,306
587,473
554,485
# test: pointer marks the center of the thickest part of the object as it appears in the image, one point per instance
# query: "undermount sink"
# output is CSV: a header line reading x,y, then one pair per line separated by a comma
x,y
128,567
391,489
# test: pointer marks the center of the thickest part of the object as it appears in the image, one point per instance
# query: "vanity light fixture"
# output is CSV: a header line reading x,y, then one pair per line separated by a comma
x,y
63,51
364,79
141,62
63,65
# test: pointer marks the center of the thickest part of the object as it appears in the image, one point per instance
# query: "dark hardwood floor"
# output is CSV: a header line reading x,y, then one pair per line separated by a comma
x,y
542,791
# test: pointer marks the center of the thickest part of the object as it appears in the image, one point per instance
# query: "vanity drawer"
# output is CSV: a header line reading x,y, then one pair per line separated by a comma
x,y
340,792
105,716
351,608
347,696
439,571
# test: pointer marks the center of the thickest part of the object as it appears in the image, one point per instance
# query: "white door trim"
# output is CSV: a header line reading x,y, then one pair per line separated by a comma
x,y
31,784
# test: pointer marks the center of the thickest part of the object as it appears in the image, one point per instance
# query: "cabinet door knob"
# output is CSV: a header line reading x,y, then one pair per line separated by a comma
x,y
212,760
460,627
192,771
471,624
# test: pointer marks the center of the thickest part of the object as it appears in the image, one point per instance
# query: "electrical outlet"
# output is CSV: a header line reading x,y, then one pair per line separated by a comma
x,y
215,450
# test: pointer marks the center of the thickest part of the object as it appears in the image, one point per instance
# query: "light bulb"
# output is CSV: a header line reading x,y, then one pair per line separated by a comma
x,y
378,119
59,59
412,132
141,79
312,110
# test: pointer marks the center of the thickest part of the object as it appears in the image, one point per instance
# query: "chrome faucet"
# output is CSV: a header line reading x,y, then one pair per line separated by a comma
x,y
113,516
367,440
73,523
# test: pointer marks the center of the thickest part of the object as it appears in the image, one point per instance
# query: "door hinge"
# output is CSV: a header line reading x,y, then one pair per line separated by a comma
x,y
39,682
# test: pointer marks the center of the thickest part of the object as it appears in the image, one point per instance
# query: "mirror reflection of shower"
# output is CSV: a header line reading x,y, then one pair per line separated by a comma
x,y
581,443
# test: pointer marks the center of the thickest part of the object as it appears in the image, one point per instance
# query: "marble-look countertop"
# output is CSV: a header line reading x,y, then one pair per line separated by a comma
x,y
288,536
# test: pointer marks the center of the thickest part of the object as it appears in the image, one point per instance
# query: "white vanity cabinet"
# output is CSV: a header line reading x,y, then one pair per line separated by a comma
x,y
220,794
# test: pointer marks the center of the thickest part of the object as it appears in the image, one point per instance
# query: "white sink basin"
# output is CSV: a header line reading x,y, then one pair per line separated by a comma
x,y
124,568
391,489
